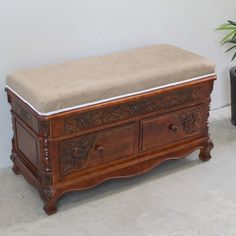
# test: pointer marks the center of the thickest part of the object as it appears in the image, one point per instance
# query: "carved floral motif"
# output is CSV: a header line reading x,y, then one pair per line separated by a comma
x,y
74,153
43,127
128,110
191,120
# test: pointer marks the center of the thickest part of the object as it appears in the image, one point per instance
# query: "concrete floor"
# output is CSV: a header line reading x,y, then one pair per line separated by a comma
x,y
183,197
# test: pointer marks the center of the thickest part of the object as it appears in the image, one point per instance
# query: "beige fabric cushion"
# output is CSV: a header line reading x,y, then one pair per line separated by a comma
x,y
55,87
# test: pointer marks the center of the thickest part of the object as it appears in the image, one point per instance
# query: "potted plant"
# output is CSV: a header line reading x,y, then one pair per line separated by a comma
x,y
230,38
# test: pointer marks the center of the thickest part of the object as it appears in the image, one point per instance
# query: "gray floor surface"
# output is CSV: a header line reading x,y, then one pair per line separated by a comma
x,y
178,198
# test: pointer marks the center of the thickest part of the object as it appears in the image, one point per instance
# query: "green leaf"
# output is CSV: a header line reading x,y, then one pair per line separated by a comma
x,y
228,36
221,27
234,36
234,56
226,26
229,27
231,48
233,40
232,22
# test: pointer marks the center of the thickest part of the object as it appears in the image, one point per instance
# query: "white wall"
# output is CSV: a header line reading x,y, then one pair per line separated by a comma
x,y
35,33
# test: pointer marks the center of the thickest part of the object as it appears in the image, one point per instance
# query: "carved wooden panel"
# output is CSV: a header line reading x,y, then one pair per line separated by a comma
x,y
24,115
74,153
43,127
128,110
23,137
191,120
98,148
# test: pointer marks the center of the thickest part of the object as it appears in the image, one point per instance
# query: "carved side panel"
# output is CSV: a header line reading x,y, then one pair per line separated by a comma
x,y
74,153
191,120
128,110
23,114
40,126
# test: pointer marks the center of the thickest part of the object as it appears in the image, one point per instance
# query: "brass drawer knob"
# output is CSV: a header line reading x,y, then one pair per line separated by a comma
x,y
99,148
173,128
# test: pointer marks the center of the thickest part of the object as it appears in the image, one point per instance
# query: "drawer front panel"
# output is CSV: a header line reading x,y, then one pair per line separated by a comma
x,y
97,148
173,127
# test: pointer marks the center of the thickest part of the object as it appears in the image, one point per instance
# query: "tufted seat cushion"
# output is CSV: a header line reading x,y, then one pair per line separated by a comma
x,y
74,84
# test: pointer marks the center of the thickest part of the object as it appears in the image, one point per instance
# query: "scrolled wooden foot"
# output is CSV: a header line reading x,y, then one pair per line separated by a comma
x,y
16,169
50,207
50,200
205,151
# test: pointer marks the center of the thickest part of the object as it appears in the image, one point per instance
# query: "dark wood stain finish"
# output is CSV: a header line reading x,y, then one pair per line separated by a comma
x,y
82,148
127,110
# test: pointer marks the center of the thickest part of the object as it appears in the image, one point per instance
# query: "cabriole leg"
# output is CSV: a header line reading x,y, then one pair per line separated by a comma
x,y
15,168
50,200
205,151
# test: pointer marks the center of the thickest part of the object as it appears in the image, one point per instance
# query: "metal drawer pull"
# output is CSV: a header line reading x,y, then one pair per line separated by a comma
x,y
99,148
173,128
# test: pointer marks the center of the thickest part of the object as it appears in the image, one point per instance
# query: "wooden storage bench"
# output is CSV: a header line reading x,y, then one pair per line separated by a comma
x,y
80,123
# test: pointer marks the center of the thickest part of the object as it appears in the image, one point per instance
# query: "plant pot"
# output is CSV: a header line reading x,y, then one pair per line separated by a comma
x,y
233,94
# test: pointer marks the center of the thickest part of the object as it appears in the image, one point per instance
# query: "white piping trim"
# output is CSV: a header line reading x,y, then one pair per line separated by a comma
x,y
107,99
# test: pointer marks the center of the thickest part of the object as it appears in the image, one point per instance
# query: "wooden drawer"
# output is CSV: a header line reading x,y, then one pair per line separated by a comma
x,y
173,127
97,148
